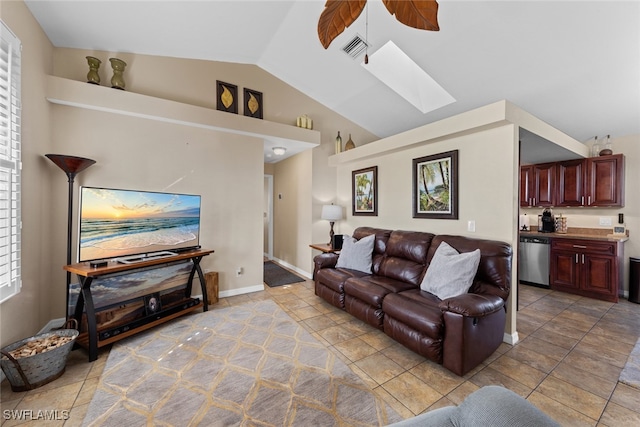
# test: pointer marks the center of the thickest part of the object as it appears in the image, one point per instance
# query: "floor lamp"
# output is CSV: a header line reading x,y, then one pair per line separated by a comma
x,y
71,166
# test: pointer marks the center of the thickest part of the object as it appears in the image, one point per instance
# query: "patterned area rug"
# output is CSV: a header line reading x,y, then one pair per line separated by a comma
x,y
630,375
249,364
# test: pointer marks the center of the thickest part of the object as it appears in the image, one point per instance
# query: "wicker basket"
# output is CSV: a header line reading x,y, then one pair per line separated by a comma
x,y
27,373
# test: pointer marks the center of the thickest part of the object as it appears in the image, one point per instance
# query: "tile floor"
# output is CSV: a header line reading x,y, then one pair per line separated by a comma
x,y
567,363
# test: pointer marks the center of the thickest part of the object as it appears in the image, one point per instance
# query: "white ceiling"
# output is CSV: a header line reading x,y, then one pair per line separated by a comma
x,y
573,64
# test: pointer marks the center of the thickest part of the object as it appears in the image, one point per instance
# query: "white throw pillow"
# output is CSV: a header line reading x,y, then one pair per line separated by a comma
x,y
356,254
450,273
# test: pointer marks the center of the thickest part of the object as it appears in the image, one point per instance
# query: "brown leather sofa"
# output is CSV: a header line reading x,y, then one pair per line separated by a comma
x,y
458,332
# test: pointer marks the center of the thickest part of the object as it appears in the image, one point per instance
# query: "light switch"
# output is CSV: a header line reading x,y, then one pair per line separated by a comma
x,y
471,226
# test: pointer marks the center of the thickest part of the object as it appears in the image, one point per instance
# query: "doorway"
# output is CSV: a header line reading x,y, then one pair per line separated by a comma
x,y
267,217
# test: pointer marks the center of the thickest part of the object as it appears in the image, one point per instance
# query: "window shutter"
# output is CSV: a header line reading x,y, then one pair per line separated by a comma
x,y
10,165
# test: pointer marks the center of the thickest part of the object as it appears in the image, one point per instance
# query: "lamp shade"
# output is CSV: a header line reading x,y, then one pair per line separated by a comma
x,y
331,212
70,164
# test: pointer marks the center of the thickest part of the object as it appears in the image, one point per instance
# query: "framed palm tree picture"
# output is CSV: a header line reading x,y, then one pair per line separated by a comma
x,y
364,188
435,186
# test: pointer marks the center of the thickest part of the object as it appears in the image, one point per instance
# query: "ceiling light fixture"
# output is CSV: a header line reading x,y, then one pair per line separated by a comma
x,y
279,151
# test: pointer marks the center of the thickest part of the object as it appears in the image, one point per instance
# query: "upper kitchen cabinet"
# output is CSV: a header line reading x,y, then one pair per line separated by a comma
x,y
605,181
570,191
538,185
592,182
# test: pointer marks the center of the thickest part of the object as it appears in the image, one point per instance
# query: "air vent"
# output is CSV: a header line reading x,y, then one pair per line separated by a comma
x,y
355,47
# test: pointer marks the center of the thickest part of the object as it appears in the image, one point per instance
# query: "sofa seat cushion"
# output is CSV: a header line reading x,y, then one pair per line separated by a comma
x,y
373,289
415,322
334,278
417,309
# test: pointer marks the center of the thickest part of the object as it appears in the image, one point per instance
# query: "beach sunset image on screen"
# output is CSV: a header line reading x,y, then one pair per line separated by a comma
x,y
117,222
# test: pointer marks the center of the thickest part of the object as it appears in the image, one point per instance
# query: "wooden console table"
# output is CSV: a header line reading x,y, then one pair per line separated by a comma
x,y
86,274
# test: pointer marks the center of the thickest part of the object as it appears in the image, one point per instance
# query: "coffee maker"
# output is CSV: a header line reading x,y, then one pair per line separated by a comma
x,y
547,222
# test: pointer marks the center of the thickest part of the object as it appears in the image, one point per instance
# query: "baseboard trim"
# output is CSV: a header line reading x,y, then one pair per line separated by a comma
x,y
234,292
511,338
294,268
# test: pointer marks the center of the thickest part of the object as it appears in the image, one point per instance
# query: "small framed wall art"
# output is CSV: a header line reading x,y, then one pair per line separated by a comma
x,y
435,186
252,103
227,97
364,189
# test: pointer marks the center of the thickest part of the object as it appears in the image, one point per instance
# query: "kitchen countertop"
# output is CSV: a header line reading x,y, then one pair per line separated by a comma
x,y
580,233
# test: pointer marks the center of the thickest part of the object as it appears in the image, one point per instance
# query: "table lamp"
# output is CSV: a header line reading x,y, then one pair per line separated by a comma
x,y
331,213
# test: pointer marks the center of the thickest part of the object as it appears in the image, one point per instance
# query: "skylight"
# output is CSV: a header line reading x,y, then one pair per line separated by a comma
x,y
394,68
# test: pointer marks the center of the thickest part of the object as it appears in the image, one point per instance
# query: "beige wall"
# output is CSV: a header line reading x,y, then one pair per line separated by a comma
x,y
26,313
193,82
226,170
140,154
164,156
292,210
478,200
487,190
590,217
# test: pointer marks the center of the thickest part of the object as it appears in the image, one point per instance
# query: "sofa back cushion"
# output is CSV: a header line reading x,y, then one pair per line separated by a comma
x,y
379,246
494,271
406,256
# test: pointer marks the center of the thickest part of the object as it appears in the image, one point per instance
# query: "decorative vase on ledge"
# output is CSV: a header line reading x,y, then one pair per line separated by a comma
x,y
117,81
93,77
350,145
338,143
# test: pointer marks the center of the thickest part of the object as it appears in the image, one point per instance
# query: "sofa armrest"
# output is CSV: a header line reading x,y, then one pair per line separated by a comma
x,y
326,260
472,305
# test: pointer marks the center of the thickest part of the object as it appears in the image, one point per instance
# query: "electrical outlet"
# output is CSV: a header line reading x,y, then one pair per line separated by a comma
x,y
471,226
239,271
605,221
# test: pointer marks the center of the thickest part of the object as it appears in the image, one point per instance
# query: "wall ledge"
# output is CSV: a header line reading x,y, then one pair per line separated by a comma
x,y
490,116
77,94
487,117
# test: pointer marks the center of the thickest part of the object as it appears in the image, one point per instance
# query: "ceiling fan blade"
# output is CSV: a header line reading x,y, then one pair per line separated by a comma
x,y
420,14
336,16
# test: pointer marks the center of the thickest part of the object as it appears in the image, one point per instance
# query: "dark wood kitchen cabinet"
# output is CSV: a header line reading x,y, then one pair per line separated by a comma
x,y
570,190
604,185
538,185
590,268
594,182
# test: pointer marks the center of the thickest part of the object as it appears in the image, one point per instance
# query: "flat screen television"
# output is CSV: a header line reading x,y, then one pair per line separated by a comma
x,y
116,223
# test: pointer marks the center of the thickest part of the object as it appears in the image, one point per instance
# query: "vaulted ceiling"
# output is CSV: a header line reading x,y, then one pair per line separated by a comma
x,y
573,64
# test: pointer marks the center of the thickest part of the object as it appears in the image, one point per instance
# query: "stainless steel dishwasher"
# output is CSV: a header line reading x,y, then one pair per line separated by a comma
x,y
533,261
